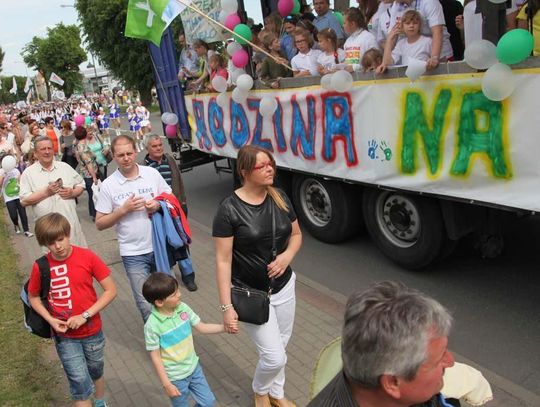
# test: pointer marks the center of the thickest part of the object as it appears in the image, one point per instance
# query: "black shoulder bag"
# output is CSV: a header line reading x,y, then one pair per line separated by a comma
x,y
252,305
34,322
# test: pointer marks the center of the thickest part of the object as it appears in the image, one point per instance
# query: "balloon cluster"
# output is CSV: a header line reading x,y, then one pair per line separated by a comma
x,y
286,7
170,120
514,47
340,81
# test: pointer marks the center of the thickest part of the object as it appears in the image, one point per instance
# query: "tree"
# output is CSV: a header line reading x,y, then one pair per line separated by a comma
x,y
7,83
103,23
59,52
2,55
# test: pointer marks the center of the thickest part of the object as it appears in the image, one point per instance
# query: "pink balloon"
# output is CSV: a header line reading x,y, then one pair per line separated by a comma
x,y
170,130
232,21
285,7
79,120
240,58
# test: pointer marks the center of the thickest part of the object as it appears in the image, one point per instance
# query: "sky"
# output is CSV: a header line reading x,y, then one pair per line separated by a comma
x,y
24,19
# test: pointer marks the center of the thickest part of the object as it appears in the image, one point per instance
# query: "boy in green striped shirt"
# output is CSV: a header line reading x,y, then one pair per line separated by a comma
x,y
169,340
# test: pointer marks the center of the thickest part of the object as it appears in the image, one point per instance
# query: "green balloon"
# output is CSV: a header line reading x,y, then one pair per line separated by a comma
x,y
515,46
88,120
339,17
243,31
296,8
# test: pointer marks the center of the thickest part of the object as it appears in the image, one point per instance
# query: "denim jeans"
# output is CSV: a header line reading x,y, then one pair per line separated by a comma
x,y
138,268
197,386
82,359
185,266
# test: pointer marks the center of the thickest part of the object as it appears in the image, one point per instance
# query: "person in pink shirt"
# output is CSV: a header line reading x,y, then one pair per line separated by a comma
x,y
217,68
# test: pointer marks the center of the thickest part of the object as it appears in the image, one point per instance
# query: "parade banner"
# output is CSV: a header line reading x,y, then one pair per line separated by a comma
x,y
439,135
197,27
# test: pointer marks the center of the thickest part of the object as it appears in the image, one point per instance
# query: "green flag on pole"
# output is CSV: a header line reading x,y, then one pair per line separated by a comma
x,y
144,20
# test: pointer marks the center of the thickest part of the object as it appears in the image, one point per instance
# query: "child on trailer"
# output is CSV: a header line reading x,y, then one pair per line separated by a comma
x,y
331,59
73,307
305,62
413,46
218,67
371,60
169,340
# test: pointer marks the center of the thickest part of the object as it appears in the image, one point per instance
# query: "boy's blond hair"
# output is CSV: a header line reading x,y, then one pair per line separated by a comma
x,y
411,15
51,227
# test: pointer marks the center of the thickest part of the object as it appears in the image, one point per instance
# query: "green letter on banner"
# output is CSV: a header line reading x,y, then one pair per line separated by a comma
x,y
416,122
476,138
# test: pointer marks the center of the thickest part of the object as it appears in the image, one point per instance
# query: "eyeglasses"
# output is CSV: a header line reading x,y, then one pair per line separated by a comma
x,y
263,166
299,41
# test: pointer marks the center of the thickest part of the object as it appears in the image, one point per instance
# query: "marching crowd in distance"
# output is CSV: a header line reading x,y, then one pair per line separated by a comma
x,y
371,37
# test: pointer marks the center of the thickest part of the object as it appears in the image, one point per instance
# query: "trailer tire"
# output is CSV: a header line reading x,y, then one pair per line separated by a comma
x,y
325,208
407,229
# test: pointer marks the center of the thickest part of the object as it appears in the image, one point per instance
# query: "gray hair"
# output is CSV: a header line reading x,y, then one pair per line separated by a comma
x,y
386,331
151,137
39,139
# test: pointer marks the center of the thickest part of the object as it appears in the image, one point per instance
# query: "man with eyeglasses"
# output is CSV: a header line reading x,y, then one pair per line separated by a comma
x,y
326,19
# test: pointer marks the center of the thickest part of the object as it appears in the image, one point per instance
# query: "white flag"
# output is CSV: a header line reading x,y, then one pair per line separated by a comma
x,y
172,10
13,89
56,79
27,84
29,96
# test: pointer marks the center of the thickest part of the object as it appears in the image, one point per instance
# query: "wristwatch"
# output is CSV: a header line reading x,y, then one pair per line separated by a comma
x,y
86,315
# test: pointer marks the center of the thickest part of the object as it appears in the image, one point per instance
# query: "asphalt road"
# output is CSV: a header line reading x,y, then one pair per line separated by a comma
x,y
495,302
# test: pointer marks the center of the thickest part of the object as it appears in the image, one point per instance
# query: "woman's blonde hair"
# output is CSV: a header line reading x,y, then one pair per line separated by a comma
x,y
245,162
51,227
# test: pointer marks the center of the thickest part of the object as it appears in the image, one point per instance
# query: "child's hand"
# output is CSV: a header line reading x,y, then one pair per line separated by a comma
x,y
58,325
394,32
172,390
75,322
380,69
233,327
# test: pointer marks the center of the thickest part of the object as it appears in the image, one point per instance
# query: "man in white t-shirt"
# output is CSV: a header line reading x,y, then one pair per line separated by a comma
x,y
433,25
125,200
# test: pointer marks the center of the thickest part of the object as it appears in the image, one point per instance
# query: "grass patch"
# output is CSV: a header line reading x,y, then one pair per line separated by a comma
x,y
26,377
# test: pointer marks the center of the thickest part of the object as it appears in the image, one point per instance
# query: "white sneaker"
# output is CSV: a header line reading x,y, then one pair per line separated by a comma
x,y
17,230
28,234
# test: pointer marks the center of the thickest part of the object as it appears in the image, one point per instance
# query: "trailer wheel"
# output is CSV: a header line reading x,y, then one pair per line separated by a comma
x,y
326,209
407,229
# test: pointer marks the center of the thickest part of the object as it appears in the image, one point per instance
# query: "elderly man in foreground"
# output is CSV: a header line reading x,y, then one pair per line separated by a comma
x,y
52,186
394,351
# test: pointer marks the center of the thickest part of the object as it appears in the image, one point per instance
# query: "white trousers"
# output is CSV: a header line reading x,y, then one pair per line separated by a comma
x,y
271,340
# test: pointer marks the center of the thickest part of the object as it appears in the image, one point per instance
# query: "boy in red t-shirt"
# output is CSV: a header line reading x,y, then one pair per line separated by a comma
x,y
73,307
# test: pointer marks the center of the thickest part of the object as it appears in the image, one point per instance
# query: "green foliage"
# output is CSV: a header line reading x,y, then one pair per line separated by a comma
x,y
103,23
59,52
2,55
7,83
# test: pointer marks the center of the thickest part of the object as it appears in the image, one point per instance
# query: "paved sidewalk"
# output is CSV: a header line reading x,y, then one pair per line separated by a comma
x,y
228,360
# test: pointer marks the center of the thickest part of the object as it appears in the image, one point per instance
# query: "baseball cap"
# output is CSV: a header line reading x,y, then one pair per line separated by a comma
x,y
290,19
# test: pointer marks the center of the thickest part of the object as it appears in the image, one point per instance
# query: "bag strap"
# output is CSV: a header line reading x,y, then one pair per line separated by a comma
x,y
45,274
274,249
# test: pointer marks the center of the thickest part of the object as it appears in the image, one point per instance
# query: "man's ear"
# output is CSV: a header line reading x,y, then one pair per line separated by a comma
x,y
390,385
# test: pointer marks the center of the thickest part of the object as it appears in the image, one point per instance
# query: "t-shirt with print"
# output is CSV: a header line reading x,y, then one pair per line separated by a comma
x,y
404,50
10,184
329,61
432,14
251,229
134,229
357,44
172,336
72,291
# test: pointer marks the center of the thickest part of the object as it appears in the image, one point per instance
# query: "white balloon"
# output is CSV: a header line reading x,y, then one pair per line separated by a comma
x,y
326,81
498,82
223,16
8,163
481,54
341,81
244,82
170,119
239,96
219,83
235,74
415,69
268,106
230,6
222,100
233,47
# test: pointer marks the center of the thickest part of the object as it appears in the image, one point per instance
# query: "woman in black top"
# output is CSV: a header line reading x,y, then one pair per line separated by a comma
x,y
242,233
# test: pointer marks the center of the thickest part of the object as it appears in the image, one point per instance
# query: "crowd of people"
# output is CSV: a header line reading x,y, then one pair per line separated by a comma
x,y
372,36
